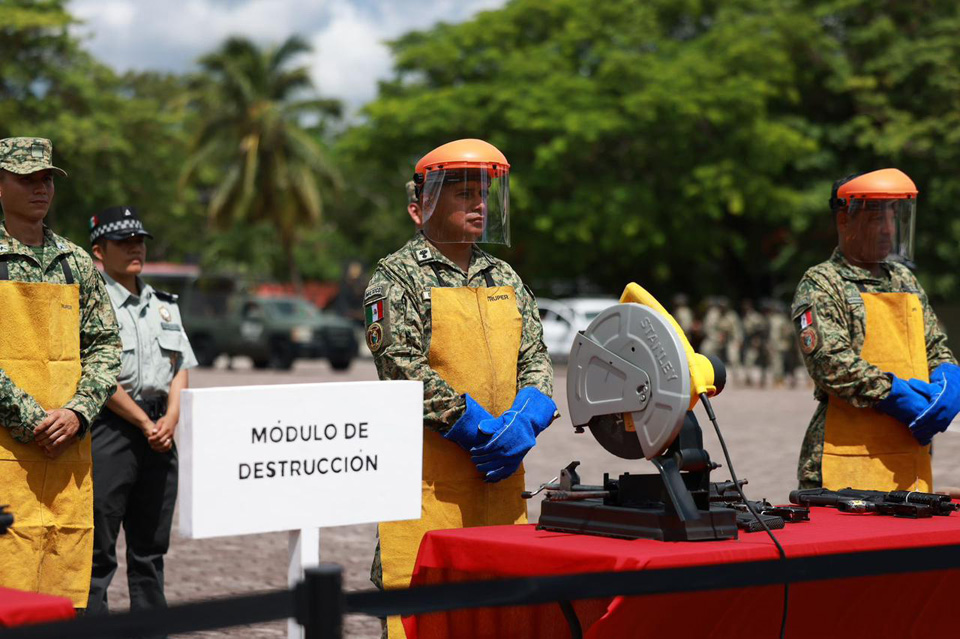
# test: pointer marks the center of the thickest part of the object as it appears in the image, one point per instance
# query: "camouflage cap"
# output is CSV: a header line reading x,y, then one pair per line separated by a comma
x,y
411,192
27,155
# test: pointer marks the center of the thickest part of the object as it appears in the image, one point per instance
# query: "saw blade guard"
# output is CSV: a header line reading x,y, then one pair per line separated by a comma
x,y
707,374
629,380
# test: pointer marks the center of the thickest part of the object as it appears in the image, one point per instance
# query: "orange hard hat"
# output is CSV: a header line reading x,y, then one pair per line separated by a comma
x,y
885,184
462,154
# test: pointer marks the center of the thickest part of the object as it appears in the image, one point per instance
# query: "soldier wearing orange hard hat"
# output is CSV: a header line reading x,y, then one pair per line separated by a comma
x,y
886,381
445,312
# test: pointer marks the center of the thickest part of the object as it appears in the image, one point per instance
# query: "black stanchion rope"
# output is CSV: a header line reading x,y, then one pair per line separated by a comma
x,y
188,617
249,609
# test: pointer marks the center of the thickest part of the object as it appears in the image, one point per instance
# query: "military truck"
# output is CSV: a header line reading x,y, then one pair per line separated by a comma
x,y
272,331
222,318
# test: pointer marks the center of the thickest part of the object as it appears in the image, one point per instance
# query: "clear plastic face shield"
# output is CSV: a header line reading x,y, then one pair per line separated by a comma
x,y
877,230
467,205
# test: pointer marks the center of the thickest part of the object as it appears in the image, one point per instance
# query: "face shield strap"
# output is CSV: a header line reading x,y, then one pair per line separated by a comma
x,y
838,203
418,185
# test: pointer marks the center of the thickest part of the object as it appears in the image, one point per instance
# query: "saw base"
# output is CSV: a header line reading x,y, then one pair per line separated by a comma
x,y
673,505
593,517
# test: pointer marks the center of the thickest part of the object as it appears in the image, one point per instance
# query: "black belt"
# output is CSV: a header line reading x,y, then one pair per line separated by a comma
x,y
155,407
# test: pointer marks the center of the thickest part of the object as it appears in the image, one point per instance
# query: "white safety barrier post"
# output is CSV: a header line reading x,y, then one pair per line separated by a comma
x,y
299,457
304,553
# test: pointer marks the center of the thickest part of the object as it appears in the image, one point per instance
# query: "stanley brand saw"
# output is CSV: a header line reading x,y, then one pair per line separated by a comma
x,y
633,376
633,380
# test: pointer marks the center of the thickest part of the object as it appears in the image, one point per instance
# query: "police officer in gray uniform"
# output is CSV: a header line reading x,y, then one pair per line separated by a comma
x,y
134,456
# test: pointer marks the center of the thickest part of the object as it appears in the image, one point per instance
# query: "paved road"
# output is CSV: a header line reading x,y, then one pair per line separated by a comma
x,y
762,428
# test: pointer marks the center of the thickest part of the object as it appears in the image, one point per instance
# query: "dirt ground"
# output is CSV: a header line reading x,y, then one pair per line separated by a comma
x,y
762,428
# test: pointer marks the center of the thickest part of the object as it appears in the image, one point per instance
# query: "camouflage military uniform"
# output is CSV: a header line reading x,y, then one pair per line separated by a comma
x,y
403,280
685,319
831,351
99,336
756,333
732,331
714,339
781,340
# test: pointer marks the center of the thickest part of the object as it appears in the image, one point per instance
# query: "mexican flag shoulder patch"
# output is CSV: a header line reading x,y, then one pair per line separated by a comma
x,y
374,312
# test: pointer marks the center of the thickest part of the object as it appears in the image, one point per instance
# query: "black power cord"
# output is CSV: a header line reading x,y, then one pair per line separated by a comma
x,y
783,555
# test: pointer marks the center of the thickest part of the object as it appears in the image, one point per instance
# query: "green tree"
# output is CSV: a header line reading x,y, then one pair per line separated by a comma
x,y
122,139
688,145
252,141
893,99
34,44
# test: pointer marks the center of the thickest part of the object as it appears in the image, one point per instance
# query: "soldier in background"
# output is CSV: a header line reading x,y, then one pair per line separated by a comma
x,y
756,333
683,314
349,302
732,330
713,336
781,340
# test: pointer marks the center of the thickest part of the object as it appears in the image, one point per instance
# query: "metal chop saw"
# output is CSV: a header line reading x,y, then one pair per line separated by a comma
x,y
633,380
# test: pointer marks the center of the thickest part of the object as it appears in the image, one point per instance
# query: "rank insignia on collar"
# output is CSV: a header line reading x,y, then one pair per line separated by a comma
x,y
165,314
422,255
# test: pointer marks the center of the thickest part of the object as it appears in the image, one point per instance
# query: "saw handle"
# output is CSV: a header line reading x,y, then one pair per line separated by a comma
x,y
707,374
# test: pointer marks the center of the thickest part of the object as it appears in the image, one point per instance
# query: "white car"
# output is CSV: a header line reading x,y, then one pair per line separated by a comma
x,y
562,319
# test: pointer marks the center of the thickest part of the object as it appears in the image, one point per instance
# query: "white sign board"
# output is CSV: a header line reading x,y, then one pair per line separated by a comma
x,y
259,459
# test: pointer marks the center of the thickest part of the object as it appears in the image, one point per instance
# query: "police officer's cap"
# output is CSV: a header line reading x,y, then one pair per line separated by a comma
x,y
116,223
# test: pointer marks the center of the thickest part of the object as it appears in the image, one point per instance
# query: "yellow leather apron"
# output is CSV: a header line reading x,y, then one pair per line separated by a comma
x,y
49,548
864,448
474,347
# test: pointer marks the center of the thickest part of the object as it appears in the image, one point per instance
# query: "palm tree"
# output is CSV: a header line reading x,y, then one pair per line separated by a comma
x,y
252,108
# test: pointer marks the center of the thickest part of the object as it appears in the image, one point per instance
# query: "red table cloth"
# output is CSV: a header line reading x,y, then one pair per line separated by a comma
x,y
898,605
18,608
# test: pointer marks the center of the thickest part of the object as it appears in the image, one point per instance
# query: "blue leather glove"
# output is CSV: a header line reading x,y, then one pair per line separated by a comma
x,y
905,402
944,402
465,431
513,434
536,406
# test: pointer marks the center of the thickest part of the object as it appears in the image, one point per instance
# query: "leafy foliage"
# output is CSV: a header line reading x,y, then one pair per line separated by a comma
x,y
689,145
268,167
686,144
121,139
